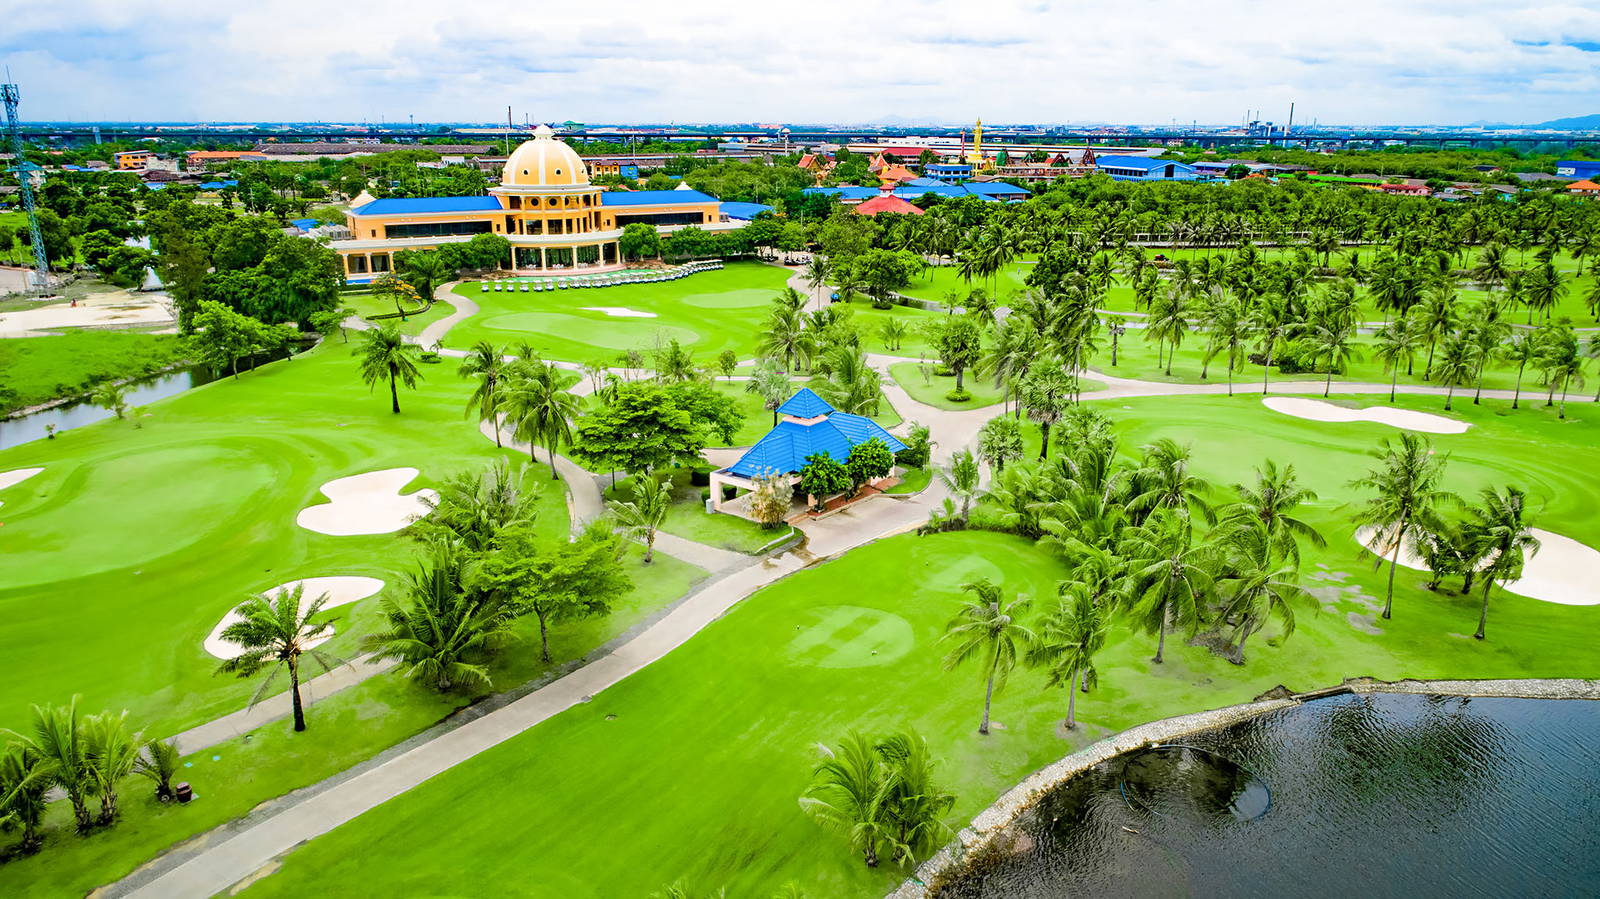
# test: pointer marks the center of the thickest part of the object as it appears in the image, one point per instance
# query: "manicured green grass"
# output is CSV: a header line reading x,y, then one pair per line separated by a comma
x,y
688,518
851,645
39,369
132,543
912,480
708,313
366,305
932,388
344,729
939,281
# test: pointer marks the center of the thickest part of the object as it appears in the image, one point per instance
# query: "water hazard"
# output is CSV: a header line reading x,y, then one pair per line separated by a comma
x,y
1382,795
35,426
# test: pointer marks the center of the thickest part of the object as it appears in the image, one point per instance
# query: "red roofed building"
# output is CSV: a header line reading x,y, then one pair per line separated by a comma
x,y
887,202
1584,188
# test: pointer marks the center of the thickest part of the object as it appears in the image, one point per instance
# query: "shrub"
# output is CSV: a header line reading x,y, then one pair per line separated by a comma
x,y
705,495
769,502
918,447
944,371
959,395
429,357
729,492
699,477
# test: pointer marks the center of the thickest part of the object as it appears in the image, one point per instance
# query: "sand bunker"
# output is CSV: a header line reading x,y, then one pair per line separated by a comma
x,y
1317,410
620,312
368,503
339,590
16,476
1563,571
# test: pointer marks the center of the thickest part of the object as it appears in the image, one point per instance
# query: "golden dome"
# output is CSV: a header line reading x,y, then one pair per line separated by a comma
x,y
544,162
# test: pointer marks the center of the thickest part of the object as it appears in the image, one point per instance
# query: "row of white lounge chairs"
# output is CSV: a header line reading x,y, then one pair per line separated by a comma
x,y
638,277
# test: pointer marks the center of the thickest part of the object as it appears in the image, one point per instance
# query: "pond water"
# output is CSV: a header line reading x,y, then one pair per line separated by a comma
x,y
75,415
1380,795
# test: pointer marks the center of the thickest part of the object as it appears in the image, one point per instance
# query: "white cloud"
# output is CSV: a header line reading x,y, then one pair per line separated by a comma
x,y
1363,62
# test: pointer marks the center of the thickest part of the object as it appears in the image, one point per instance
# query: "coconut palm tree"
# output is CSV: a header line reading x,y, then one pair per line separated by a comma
x,y
1331,342
849,794
58,751
1046,393
159,762
1562,363
277,633
786,337
1456,364
473,508
443,633
988,628
112,751
1487,329
1397,344
487,365
961,477
1165,480
1259,583
1436,317
1171,580
1273,320
25,779
916,805
773,384
1521,349
111,396
1406,487
1167,324
538,408
817,272
1069,637
1271,504
642,516
1227,328
385,356
1506,540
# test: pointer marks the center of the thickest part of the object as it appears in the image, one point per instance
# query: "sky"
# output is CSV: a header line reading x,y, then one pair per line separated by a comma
x,y
1362,62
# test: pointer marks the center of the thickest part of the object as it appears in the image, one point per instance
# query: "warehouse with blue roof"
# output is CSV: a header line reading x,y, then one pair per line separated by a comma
x,y
808,426
556,221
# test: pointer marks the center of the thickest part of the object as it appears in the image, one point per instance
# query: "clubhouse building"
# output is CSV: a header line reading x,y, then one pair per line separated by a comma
x,y
544,205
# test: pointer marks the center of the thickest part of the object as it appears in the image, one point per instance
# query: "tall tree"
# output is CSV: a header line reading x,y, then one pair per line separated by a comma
x,y
644,514
1069,637
1505,539
538,408
444,631
1405,484
1258,582
487,365
1270,504
1171,581
385,356
275,633
1397,345
988,628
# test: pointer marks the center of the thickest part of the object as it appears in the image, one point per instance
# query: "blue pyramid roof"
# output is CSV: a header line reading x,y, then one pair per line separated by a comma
x,y
786,446
805,404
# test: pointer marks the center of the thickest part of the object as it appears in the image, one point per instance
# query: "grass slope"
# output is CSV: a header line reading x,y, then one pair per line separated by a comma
x,y
40,369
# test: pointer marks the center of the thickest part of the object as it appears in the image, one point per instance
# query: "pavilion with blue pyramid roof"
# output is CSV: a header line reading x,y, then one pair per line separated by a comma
x,y
808,426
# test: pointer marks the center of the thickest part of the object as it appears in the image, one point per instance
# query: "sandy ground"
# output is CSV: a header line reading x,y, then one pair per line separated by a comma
x,y
368,503
1563,571
1317,410
339,590
117,307
620,311
16,476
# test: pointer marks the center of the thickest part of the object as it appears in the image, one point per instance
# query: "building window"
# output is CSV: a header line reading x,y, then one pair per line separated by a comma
x,y
661,218
558,171
356,264
380,262
516,202
555,226
439,229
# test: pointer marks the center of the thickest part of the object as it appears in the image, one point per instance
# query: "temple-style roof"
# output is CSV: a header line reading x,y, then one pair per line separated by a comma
x,y
805,404
784,449
886,203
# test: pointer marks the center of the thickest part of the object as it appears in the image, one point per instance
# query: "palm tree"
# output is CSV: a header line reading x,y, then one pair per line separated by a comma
x,y
1562,363
538,409
817,272
1271,504
25,779
961,478
1330,342
915,804
159,762
786,337
1069,637
385,356
112,751
772,383
1397,344
1456,365
58,751
276,632
424,271
1487,330
1273,320
1000,441
111,396
1165,481
1436,317
1171,581
443,633
644,514
1045,392
472,509
849,794
989,629
1505,539
1168,323
1521,349
1406,484
1227,328
1258,585
487,364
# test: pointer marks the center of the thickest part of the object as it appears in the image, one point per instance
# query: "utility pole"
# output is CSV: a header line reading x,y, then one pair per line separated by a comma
x,y
40,279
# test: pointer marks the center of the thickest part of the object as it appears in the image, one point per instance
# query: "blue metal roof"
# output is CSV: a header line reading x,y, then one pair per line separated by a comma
x,y
422,205
786,446
1132,162
805,404
744,211
913,189
653,197
305,224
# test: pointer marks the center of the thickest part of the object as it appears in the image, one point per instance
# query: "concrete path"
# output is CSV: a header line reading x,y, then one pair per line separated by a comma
x,y
712,558
433,334
272,708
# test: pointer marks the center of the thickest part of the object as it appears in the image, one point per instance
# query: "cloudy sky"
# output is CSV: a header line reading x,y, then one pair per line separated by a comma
x,y
1135,61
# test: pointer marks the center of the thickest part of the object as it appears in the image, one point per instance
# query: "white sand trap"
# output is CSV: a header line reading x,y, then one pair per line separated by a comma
x,y
620,312
340,591
1317,410
16,476
1562,572
368,503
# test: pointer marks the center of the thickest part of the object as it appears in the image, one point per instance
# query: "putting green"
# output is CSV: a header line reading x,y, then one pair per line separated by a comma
x,y
850,637
132,507
610,332
733,299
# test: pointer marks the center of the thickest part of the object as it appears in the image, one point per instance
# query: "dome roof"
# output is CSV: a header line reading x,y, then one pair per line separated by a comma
x,y
544,162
